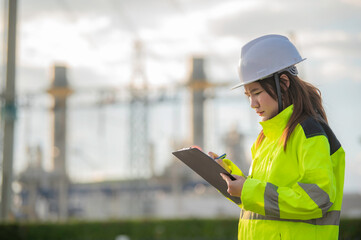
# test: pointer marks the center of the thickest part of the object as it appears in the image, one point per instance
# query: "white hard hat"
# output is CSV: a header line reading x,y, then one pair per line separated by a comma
x,y
266,55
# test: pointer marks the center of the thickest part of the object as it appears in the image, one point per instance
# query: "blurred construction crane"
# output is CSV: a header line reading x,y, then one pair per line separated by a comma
x,y
139,104
138,116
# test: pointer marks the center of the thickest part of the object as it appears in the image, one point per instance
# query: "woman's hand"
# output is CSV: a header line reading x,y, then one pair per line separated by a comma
x,y
219,161
234,187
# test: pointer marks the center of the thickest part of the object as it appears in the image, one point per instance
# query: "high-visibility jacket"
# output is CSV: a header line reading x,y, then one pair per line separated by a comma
x,y
297,193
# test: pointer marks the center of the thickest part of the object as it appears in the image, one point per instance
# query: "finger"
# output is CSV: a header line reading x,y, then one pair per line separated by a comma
x,y
237,176
219,161
225,178
213,155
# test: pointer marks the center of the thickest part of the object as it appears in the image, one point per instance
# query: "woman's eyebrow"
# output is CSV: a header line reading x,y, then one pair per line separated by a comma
x,y
252,90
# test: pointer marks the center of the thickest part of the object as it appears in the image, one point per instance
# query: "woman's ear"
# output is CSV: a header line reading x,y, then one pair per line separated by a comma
x,y
285,80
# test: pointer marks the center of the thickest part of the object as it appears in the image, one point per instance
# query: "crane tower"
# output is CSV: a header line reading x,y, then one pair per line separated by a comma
x,y
138,116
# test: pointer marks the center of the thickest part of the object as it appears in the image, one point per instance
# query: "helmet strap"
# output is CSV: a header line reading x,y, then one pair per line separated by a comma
x,y
278,89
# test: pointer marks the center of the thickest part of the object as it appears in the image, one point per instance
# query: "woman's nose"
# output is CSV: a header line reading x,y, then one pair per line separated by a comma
x,y
253,102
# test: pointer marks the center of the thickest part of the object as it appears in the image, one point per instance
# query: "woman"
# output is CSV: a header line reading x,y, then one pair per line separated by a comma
x,y
295,184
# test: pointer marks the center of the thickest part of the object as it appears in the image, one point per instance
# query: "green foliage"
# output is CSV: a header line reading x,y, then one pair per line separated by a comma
x,y
184,229
199,229
350,229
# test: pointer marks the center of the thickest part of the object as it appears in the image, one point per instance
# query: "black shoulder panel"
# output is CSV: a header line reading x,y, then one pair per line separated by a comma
x,y
312,128
334,143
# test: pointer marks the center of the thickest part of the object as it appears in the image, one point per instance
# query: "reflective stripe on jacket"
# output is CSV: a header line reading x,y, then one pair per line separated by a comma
x,y
297,193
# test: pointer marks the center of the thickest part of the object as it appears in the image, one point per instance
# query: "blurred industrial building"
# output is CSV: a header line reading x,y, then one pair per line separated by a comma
x,y
177,193
50,194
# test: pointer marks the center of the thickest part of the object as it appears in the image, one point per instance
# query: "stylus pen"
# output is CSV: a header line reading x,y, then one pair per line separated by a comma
x,y
223,156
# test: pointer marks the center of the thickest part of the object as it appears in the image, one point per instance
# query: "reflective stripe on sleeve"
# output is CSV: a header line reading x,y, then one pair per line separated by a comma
x,y
319,196
330,218
271,207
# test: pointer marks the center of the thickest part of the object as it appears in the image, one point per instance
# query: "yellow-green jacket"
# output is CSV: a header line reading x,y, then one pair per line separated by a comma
x,y
297,193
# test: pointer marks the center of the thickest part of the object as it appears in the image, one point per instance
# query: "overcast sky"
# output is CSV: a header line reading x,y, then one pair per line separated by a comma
x,y
95,40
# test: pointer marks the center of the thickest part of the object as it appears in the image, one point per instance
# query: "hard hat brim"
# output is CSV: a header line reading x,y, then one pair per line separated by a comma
x,y
255,80
242,84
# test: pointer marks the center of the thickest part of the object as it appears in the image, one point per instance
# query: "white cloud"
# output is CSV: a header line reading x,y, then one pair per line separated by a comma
x,y
45,41
356,3
51,40
317,37
91,25
225,8
334,69
337,53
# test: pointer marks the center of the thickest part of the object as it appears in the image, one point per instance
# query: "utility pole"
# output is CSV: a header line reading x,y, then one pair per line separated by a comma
x,y
9,113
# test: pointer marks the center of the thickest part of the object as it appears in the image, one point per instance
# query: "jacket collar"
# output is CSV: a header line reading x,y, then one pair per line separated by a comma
x,y
273,128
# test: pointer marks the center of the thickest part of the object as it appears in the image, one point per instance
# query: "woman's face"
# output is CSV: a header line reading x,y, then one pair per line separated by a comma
x,y
264,105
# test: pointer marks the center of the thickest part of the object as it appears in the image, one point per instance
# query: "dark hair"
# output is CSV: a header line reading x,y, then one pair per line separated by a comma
x,y
306,100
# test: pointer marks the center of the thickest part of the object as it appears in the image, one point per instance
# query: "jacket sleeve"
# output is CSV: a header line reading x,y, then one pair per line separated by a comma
x,y
232,168
309,197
